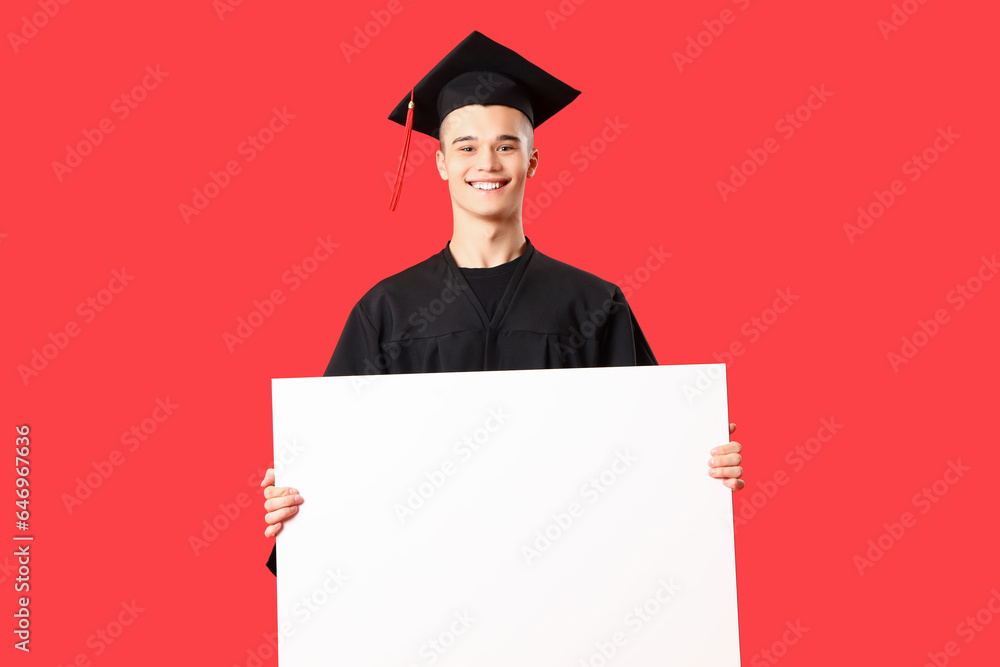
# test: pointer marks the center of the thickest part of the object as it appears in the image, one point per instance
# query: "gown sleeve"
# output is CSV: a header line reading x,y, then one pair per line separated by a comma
x,y
624,343
358,350
357,353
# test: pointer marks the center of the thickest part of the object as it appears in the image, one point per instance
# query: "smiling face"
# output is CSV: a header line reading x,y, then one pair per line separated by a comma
x,y
487,155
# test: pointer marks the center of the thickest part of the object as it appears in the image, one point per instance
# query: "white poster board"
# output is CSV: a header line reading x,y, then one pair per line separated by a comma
x,y
486,519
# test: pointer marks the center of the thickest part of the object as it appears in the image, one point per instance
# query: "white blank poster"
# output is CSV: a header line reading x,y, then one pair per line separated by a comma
x,y
486,519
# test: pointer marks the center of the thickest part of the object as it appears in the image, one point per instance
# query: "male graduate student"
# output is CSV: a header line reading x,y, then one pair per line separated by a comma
x,y
489,300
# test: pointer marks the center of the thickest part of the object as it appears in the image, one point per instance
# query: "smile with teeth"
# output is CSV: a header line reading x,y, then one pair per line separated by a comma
x,y
488,185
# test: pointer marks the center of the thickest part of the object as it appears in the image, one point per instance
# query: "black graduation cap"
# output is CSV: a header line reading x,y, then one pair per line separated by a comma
x,y
477,71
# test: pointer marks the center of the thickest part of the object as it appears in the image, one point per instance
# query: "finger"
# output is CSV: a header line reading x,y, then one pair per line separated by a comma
x,y
282,501
733,471
732,427
269,477
728,448
276,491
734,484
271,531
278,516
725,460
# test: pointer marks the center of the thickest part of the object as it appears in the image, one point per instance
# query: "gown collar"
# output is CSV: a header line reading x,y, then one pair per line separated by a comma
x,y
459,278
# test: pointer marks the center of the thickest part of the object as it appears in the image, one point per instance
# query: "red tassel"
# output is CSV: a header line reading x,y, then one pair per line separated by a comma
x,y
398,185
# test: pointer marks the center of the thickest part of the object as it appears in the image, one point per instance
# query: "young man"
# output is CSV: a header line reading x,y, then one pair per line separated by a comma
x,y
488,300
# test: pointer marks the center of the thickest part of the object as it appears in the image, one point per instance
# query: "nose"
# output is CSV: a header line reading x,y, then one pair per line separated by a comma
x,y
488,161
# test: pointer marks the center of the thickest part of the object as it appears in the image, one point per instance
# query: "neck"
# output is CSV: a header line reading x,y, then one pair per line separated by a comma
x,y
480,244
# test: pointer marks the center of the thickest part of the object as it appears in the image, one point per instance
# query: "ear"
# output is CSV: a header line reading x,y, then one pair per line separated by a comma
x,y
441,166
533,163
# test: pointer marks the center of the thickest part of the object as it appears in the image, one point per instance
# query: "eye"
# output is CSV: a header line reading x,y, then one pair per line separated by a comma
x,y
510,147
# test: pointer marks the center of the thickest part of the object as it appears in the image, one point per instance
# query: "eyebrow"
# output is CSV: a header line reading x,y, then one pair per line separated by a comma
x,y
500,137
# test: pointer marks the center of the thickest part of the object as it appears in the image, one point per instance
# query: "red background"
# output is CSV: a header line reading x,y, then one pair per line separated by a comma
x,y
654,185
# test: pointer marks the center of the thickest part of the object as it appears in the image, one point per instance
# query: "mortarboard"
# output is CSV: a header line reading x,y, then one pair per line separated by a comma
x,y
477,71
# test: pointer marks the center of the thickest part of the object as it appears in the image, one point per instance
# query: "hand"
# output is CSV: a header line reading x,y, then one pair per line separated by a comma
x,y
280,502
725,463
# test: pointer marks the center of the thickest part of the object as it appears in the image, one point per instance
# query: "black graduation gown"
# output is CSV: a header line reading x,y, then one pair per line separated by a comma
x,y
427,319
